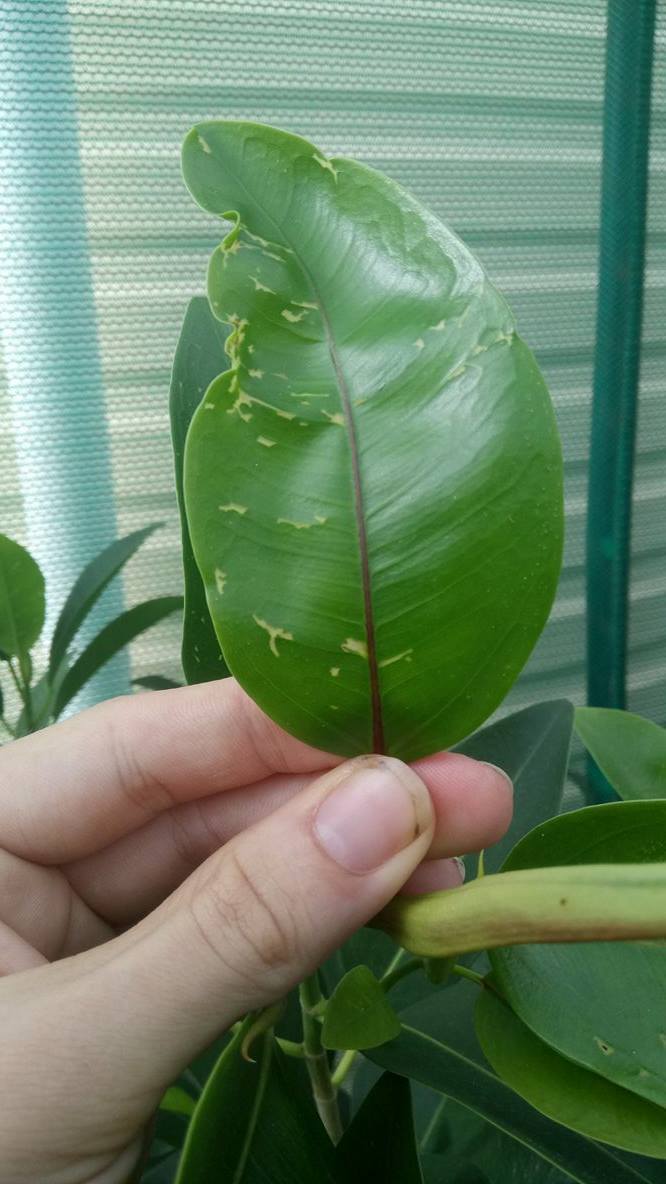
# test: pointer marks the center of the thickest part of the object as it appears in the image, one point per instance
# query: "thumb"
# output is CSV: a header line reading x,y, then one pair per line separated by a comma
x,y
267,909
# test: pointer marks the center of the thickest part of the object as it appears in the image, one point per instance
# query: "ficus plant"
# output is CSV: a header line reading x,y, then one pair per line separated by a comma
x,y
22,611
370,481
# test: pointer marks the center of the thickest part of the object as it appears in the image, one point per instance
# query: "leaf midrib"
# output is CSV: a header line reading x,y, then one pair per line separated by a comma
x,y
378,739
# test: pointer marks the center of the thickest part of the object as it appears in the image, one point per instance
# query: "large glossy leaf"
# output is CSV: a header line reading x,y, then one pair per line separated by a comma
x,y
504,1156
112,638
438,1065
256,1123
200,357
374,486
629,750
87,590
532,746
22,604
564,1091
379,1144
601,1004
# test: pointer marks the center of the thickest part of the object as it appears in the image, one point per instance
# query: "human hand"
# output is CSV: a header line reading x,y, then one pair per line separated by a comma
x,y
167,863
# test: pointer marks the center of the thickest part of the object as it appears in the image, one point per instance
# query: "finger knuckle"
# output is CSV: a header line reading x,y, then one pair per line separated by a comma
x,y
247,919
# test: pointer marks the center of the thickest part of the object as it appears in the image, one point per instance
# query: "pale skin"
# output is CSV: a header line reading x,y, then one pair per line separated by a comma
x,y
167,862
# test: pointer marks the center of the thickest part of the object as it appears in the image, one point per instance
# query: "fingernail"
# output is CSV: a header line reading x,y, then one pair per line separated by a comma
x,y
377,809
496,769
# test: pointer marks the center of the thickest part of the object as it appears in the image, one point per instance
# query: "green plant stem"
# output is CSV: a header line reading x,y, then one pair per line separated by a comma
x,y
394,976
7,727
316,1059
346,1062
291,1048
465,972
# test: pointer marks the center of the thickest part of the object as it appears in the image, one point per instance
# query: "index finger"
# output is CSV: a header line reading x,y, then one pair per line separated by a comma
x,y
75,787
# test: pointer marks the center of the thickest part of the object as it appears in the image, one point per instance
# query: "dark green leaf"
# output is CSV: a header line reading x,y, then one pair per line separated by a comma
x,y
373,487
155,682
22,604
87,590
358,1014
114,637
380,1143
163,1172
420,1056
200,357
629,750
601,1003
532,746
581,1100
255,1123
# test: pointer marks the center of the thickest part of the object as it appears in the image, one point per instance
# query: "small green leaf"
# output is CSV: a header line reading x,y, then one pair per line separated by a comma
x,y
629,750
256,1122
177,1101
22,604
200,357
374,486
564,1091
87,590
457,1074
109,641
600,1004
380,1143
155,682
358,1014
532,746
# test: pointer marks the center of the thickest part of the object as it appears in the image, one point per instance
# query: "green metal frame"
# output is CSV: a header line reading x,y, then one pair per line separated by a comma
x,y
629,53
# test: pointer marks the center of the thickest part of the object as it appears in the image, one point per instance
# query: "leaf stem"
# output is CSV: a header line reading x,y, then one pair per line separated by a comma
x,y
393,976
291,1048
316,1059
346,1062
465,972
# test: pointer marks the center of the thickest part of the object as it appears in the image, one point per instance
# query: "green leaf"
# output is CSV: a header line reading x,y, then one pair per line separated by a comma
x,y
155,682
629,750
200,357
601,1004
112,638
358,1014
178,1101
40,695
22,604
87,590
256,1122
564,1091
467,1138
380,1144
532,746
439,1065
374,486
